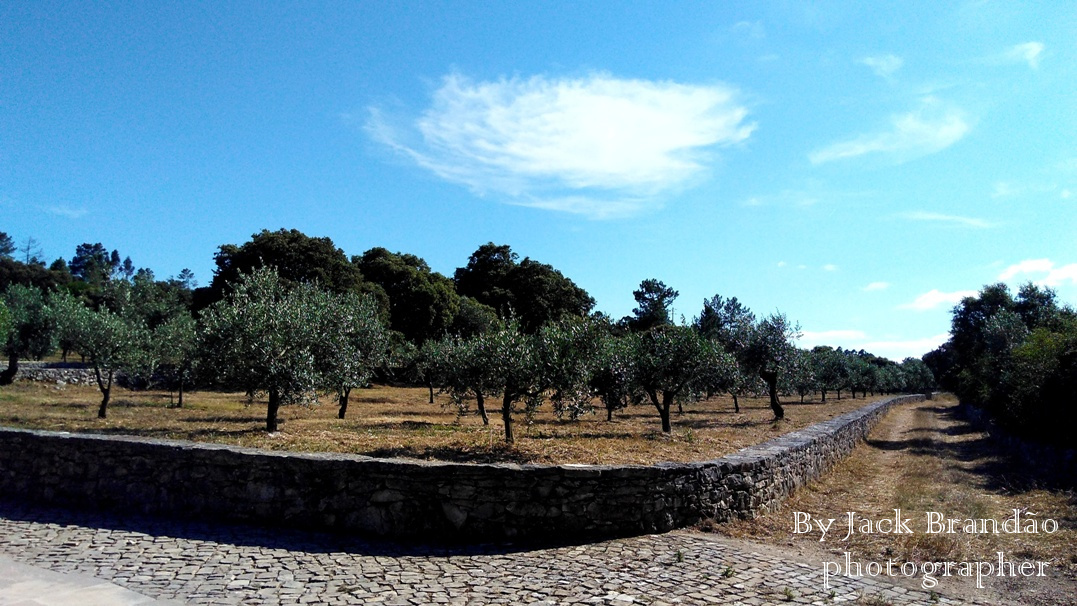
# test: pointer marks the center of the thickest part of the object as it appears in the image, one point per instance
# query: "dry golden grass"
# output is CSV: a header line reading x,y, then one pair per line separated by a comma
x,y
399,422
924,458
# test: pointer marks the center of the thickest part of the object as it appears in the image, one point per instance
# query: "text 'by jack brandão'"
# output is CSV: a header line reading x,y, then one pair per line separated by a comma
x,y
935,523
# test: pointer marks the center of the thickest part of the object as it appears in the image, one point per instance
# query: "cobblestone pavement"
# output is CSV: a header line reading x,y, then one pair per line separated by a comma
x,y
200,563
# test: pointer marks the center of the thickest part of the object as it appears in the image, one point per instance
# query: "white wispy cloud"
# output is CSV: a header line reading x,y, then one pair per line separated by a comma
x,y
900,349
876,286
1048,273
830,267
1004,189
839,338
596,145
928,129
787,197
894,349
935,298
1027,52
750,29
950,219
883,65
66,211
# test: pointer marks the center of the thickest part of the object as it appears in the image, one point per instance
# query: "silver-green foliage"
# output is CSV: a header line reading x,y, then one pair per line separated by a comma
x,y
352,344
110,341
32,332
264,337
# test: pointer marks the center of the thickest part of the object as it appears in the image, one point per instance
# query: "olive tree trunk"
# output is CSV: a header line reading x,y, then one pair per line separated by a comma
x,y
271,411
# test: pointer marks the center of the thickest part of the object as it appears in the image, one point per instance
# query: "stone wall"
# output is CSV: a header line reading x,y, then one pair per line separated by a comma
x,y
414,499
55,373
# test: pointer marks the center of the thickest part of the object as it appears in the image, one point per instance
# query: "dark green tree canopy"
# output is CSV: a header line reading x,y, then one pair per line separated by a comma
x,y
1014,356
726,321
533,293
654,301
295,256
486,275
16,272
92,263
7,245
422,304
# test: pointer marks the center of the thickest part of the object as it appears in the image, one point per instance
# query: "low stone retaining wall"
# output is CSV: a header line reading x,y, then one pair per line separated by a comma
x,y
415,499
56,375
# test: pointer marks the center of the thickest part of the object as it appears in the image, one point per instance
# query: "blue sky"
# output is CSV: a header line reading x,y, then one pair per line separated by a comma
x,y
857,167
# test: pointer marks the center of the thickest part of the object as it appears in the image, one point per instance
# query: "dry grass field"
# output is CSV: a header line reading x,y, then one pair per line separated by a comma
x,y
399,422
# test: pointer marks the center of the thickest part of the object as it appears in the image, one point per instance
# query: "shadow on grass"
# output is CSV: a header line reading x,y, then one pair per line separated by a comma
x,y
219,419
740,423
980,454
69,405
193,435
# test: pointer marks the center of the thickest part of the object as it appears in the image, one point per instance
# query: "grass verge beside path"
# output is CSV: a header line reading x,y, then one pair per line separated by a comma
x,y
921,458
399,422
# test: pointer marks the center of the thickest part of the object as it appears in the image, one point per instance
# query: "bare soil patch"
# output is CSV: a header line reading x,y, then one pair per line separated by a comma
x,y
924,457
399,422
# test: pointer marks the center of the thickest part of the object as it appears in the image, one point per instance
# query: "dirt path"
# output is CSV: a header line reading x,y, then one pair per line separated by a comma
x,y
925,459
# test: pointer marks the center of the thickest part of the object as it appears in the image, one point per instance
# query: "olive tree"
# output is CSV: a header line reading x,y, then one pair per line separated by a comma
x,y
31,331
175,344
518,371
263,337
353,344
615,378
831,369
669,360
568,352
505,362
109,341
5,319
800,375
769,350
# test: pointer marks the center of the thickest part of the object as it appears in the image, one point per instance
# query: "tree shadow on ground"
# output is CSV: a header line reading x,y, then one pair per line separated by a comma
x,y
287,538
193,435
551,433
713,424
69,405
980,454
222,419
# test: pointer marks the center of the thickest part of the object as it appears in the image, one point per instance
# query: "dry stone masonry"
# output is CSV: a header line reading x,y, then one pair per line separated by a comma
x,y
58,374
415,499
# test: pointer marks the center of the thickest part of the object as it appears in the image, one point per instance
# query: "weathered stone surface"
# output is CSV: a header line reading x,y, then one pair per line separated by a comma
x,y
454,501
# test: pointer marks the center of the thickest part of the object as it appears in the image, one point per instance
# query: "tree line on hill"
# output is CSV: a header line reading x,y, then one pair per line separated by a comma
x,y
290,316
1016,358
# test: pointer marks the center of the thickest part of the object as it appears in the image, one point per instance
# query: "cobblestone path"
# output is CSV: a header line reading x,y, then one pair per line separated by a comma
x,y
217,564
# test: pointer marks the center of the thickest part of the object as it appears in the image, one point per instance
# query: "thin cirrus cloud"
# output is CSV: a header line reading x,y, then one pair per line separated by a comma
x,y
599,146
874,286
955,220
67,212
935,298
1049,274
930,128
1027,52
884,65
